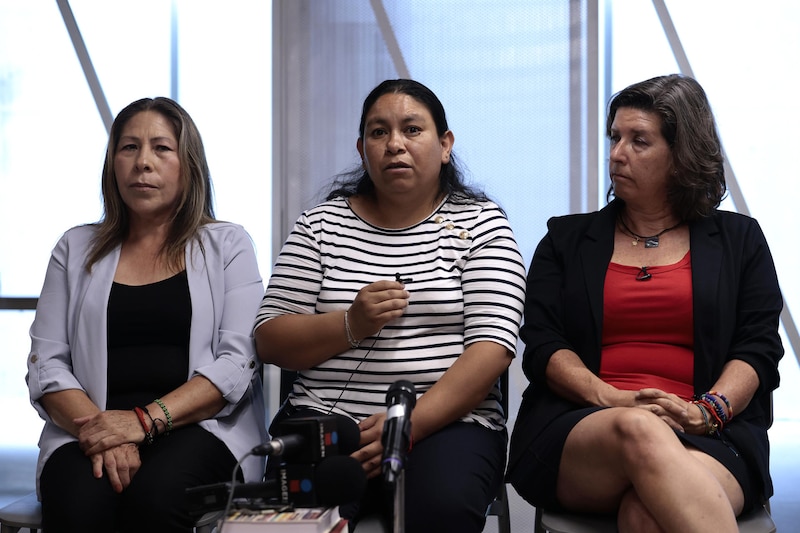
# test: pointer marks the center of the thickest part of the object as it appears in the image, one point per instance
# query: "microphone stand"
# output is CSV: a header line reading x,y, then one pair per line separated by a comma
x,y
396,440
399,518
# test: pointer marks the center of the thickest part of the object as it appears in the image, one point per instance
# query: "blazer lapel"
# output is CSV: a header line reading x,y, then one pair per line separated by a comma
x,y
595,253
706,256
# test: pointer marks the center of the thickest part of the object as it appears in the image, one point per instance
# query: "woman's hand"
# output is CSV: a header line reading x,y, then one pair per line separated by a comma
x,y
675,411
371,452
108,429
375,305
120,463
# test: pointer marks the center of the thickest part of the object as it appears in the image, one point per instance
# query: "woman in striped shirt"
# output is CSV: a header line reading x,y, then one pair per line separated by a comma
x,y
404,273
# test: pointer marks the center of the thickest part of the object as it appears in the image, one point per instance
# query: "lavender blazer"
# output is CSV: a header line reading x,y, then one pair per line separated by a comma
x,y
69,340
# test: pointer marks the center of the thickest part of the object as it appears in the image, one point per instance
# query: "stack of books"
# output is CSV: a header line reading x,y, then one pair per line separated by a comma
x,y
299,520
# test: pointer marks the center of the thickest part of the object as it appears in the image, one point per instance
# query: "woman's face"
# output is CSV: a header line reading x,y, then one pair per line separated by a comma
x,y
640,161
147,167
401,149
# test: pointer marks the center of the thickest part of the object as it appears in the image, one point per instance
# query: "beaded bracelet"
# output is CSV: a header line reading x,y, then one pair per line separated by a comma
x,y
724,399
350,338
713,414
166,414
717,406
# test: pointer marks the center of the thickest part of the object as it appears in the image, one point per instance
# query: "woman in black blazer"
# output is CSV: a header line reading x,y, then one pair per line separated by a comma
x,y
651,332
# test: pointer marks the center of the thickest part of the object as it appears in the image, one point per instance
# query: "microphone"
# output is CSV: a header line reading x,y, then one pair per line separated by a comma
x,y
336,480
396,437
309,439
280,445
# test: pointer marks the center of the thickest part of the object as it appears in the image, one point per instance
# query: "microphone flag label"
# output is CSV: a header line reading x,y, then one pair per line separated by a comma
x,y
297,485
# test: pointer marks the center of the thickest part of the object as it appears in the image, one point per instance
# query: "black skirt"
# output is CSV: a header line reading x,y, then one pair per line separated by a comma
x,y
540,471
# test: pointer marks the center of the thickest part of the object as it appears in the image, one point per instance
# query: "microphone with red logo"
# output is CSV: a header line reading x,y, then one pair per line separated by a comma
x,y
309,439
315,470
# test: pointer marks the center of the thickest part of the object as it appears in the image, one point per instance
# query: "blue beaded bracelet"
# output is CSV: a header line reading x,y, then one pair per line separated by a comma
x,y
724,399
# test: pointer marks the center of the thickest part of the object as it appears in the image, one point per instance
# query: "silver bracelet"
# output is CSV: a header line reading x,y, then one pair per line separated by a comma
x,y
350,338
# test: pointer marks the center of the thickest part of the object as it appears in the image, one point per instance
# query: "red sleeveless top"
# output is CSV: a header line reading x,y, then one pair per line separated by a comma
x,y
648,328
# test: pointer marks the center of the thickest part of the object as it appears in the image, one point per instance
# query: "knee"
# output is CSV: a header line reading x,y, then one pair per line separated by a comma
x,y
641,435
451,518
459,510
637,427
146,505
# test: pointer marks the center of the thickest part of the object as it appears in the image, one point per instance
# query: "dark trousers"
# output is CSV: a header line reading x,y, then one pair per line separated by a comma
x,y
74,500
450,478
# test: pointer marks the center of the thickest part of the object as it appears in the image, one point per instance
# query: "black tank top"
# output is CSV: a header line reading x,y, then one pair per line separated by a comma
x,y
148,340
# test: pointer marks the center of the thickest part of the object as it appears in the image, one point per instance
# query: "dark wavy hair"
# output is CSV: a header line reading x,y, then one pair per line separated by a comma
x,y
195,207
451,175
688,125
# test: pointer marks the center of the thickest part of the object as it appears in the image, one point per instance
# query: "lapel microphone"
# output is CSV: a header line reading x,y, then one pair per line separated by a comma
x,y
402,280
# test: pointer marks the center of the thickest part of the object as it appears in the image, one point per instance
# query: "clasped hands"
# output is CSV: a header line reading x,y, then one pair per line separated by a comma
x,y
679,414
109,439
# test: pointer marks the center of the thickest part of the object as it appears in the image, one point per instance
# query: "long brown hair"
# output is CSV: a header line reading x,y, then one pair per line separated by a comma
x,y
195,207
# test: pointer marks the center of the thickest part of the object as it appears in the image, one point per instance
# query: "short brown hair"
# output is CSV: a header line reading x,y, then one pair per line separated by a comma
x,y
688,125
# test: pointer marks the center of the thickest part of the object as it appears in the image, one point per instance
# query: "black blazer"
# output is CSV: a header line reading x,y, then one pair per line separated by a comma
x,y
736,300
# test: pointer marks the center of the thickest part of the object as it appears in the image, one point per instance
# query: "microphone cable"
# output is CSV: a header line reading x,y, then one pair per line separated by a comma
x,y
353,372
229,502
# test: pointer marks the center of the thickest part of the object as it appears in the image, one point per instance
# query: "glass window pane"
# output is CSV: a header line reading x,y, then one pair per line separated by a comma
x,y
51,142
52,139
18,413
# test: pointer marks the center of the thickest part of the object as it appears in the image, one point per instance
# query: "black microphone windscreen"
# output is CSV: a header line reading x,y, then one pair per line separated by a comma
x,y
349,436
402,390
326,435
336,480
340,480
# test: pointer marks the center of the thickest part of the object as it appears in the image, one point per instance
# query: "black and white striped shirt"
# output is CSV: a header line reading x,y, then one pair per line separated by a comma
x,y
467,285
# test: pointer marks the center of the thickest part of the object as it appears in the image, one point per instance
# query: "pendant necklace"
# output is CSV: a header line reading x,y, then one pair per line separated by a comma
x,y
649,241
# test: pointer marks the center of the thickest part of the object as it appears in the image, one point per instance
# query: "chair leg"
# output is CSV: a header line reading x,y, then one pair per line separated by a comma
x,y
504,525
499,508
537,522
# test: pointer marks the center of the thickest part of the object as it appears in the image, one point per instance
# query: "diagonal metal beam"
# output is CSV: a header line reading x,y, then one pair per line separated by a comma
x,y
173,51
86,63
686,69
730,177
389,37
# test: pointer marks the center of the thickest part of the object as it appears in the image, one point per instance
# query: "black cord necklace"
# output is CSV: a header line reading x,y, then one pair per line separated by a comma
x,y
649,241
